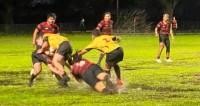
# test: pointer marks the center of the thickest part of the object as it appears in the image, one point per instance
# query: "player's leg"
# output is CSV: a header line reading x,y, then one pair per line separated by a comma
x,y
61,53
160,49
168,50
37,69
102,76
100,59
100,87
105,77
36,66
112,60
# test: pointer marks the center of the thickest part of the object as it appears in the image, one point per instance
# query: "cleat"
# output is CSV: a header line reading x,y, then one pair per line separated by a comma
x,y
158,61
169,60
119,82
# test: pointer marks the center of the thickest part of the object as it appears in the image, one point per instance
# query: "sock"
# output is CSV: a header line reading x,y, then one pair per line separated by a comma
x,y
117,71
31,80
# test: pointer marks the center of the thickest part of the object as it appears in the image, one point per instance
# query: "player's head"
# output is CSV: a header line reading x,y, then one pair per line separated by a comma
x,y
174,18
165,17
51,18
107,16
76,57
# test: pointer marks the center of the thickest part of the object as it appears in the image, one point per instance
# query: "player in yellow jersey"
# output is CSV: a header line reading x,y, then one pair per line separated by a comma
x,y
63,51
114,53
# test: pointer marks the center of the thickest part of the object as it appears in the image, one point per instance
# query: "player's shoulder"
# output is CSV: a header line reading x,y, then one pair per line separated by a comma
x,y
102,21
42,23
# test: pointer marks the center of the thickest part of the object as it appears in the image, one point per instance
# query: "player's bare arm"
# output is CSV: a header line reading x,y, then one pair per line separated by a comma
x,y
34,36
156,31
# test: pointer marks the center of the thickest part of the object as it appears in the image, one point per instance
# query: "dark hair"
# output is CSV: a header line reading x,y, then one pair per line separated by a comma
x,y
53,15
76,57
107,13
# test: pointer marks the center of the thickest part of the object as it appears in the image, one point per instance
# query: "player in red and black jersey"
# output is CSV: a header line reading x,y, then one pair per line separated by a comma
x,y
163,29
105,27
92,74
174,25
45,57
36,60
46,27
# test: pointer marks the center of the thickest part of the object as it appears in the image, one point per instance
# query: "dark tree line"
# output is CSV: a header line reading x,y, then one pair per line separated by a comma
x,y
34,11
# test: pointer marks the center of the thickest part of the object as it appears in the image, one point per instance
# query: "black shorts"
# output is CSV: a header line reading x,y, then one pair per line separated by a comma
x,y
65,49
41,58
115,56
163,38
90,76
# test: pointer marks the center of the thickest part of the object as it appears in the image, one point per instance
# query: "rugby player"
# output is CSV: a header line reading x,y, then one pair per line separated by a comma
x,y
163,30
105,28
174,25
114,53
92,74
37,59
48,26
63,51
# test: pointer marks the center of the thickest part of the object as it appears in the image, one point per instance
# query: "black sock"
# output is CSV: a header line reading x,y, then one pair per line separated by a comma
x,y
31,80
32,77
167,57
158,57
65,77
117,71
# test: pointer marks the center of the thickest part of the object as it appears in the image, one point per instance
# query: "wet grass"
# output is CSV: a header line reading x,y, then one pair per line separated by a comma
x,y
145,82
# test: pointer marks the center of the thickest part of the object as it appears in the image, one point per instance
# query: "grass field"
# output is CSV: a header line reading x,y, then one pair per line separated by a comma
x,y
146,82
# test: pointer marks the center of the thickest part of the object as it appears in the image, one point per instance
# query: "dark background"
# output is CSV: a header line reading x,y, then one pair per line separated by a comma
x,y
187,12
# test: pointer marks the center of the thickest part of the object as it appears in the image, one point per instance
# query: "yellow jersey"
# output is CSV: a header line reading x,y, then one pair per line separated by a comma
x,y
103,43
55,40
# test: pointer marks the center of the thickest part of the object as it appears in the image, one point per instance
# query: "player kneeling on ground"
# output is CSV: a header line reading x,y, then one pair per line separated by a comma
x,y
62,49
92,74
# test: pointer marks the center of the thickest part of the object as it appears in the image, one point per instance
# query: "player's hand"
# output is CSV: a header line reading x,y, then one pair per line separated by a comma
x,y
33,43
39,51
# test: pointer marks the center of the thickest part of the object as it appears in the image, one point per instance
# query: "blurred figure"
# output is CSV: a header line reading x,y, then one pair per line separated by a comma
x,y
174,25
82,24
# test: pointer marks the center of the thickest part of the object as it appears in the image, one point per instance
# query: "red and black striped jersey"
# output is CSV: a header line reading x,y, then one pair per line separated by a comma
x,y
105,27
164,28
46,28
81,67
174,23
